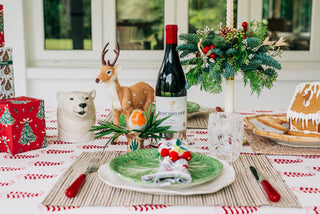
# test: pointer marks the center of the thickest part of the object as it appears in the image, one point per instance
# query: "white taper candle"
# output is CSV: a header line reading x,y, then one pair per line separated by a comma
x,y
229,84
230,13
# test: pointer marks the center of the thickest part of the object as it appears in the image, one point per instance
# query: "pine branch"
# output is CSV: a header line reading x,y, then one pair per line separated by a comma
x,y
253,42
231,51
187,49
217,51
229,71
192,38
252,65
192,61
268,60
254,81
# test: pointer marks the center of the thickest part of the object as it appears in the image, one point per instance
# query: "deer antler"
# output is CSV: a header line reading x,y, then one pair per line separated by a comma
x,y
117,52
104,51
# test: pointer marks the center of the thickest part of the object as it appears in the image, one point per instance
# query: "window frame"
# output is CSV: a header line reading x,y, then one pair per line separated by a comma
x,y
248,11
36,26
176,12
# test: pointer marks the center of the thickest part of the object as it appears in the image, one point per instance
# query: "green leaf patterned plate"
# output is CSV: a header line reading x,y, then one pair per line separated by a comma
x,y
226,178
133,165
192,107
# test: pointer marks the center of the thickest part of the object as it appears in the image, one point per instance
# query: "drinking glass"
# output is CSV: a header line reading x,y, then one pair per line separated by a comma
x,y
225,135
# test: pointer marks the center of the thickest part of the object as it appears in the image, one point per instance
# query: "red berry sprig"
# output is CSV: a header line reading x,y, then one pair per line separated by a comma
x,y
212,55
245,29
245,26
206,49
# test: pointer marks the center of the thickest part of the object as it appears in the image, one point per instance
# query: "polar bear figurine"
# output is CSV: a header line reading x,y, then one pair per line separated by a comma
x,y
76,115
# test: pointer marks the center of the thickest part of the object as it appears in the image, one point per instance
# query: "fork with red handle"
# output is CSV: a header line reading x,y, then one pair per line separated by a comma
x,y
76,185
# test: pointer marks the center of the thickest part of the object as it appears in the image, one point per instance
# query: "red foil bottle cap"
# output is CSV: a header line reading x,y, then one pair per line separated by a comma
x,y
171,34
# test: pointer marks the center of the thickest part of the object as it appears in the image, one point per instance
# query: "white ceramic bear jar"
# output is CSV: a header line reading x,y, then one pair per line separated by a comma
x,y
76,115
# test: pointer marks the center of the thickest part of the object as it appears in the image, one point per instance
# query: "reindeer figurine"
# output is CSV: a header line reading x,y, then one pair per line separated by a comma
x,y
124,99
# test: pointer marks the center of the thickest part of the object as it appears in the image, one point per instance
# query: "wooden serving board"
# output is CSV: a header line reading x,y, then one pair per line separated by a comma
x,y
278,136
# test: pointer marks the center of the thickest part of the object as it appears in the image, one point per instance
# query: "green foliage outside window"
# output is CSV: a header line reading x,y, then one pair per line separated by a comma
x,y
204,13
58,24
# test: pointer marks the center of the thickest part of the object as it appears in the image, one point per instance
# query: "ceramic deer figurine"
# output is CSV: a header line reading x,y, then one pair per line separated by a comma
x,y
124,99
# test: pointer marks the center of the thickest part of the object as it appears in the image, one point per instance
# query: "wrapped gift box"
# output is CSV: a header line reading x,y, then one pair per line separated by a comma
x,y
6,73
22,125
1,26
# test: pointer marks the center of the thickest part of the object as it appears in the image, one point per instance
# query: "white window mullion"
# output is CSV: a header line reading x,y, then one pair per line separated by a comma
x,y
249,10
170,8
315,30
96,26
243,11
109,21
182,12
35,28
256,10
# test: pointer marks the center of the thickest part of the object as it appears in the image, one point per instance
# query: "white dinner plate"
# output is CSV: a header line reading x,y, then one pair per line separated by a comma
x,y
224,179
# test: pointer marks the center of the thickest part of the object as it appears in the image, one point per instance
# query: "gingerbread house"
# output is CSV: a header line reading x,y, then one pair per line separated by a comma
x,y
304,111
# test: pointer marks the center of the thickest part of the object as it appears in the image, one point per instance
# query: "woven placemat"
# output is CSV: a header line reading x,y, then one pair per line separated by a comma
x,y
245,191
199,120
263,145
194,121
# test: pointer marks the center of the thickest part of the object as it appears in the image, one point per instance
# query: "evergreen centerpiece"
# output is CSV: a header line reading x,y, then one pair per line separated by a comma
x,y
214,56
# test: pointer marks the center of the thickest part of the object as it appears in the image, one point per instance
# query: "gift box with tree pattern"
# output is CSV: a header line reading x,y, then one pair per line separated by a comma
x,y
22,125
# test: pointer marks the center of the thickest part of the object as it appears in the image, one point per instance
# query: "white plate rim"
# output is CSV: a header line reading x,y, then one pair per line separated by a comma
x,y
224,179
298,144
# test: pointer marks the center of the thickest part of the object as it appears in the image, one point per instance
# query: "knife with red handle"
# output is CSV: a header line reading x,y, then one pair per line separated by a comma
x,y
268,188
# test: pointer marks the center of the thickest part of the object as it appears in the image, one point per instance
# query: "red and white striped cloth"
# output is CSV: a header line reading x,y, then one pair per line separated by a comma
x,y
25,179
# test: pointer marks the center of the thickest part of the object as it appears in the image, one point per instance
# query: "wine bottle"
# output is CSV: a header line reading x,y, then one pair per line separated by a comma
x,y
171,93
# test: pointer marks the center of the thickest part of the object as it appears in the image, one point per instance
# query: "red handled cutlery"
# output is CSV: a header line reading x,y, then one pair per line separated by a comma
x,y
268,188
75,186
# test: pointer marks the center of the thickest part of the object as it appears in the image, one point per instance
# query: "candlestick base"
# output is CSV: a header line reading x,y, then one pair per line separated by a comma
x,y
229,96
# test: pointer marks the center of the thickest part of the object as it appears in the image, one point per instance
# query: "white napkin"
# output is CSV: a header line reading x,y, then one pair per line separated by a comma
x,y
170,172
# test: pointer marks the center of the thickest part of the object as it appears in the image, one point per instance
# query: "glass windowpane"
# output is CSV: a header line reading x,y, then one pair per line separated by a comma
x,y
291,19
204,13
67,24
140,24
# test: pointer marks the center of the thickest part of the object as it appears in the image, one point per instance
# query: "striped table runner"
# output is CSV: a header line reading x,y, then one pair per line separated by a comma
x,y
245,191
262,145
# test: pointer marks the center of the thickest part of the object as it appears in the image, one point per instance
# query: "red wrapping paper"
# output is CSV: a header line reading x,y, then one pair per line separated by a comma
x,y
1,26
22,125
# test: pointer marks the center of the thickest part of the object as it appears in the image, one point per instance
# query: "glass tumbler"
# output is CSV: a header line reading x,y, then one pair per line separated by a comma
x,y
225,135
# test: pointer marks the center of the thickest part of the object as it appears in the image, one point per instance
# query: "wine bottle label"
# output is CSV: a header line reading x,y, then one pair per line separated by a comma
x,y
176,107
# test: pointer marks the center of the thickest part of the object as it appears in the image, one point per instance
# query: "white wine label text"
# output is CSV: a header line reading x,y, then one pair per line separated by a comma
x,y
176,107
